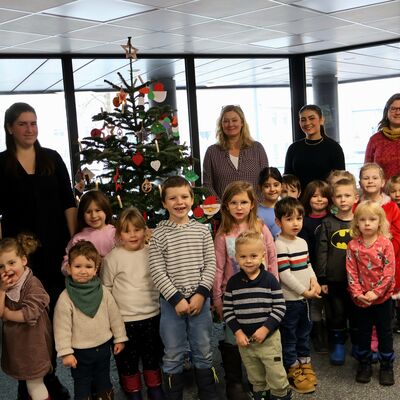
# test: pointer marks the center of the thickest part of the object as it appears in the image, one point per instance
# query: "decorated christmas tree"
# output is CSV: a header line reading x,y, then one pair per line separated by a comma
x,y
136,148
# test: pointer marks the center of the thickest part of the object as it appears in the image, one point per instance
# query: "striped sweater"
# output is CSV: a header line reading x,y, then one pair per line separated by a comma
x,y
182,260
251,304
294,267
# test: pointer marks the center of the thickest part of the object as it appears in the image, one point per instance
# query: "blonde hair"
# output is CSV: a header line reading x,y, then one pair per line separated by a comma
x,y
245,138
24,244
128,216
345,182
369,207
372,165
249,237
341,174
227,221
389,184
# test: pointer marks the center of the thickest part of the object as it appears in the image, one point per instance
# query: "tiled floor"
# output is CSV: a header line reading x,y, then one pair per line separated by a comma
x,y
335,383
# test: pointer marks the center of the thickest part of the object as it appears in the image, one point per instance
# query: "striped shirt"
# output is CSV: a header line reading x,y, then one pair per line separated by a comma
x,y
219,171
182,260
294,267
251,304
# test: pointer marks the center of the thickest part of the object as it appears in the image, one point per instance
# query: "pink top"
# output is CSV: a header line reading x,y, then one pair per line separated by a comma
x,y
226,264
385,152
370,268
103,239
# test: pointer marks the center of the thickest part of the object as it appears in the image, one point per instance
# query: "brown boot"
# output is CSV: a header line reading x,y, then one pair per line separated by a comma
x,y
298,381
309,373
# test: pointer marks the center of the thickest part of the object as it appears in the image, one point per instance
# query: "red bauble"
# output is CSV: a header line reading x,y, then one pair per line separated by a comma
x,y
96,133
198,212
137,159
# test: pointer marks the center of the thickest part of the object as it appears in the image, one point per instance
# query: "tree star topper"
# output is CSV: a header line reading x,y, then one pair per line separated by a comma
x,y
130,51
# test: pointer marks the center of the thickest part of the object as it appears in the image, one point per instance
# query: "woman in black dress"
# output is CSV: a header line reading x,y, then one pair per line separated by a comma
x,y
36,197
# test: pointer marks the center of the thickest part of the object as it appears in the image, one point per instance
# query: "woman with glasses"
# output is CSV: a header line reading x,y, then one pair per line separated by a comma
x,y
235,156
315,156
384,146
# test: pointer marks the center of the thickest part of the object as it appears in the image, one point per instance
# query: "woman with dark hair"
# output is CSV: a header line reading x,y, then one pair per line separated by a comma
x,y
235,156
36,197
315,156
384,146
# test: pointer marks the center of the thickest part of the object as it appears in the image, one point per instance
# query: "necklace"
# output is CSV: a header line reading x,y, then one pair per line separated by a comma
x,y
313,142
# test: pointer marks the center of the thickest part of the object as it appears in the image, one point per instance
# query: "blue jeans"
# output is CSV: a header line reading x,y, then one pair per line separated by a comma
x,y
295,331
180,333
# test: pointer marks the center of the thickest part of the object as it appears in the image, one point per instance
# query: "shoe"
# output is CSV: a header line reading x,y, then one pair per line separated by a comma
x,y
265,395
386,375
174,386
309,373
318,337
206,379
106,395
298,381
338,354
374,357
287,396
396,327
364,372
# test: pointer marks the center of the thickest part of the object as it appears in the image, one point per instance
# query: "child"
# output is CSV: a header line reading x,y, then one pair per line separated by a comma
x,y
27,336
330,268
270,186
239,214
125,272
316,202
290,186
333,177
372,182
392,189
182,265
298,283
94,224
253,309
86,318
370,268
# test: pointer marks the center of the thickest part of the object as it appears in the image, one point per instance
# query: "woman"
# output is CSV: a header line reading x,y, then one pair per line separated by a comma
x,y
315,156
384,146
36,197
235,156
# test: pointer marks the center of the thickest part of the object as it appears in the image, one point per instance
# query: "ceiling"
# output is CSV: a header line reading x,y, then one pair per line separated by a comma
x,y
274,28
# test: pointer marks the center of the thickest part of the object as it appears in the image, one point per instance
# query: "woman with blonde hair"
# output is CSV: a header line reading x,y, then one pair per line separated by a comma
x,y
235,156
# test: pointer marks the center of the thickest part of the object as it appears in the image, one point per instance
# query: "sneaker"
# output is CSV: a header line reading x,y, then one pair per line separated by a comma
x,y
298,381
309,373
386,375
364,372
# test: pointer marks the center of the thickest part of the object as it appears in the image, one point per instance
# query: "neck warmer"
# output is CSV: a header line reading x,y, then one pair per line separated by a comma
x,y
85,296
14,293
392,134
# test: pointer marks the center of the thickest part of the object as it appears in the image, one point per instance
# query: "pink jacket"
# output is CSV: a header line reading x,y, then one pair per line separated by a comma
x,y
227,266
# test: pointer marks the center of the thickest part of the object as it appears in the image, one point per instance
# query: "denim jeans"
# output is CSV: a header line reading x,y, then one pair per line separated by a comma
x,y
180,333
295,332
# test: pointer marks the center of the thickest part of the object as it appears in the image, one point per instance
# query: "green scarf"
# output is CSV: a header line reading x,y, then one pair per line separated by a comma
x,y
392,134
85,296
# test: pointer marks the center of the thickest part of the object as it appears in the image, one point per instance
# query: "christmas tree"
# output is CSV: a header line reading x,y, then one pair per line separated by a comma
x,y
136,149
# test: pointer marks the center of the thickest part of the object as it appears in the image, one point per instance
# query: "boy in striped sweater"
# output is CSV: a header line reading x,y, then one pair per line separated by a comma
x,y
299,284
253,309
182,266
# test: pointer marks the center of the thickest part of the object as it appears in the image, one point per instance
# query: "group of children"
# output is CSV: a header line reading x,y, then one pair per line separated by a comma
x,y
271,274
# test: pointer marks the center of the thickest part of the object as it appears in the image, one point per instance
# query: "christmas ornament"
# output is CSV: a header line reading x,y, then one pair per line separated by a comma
x,y
156,164
116,101
157,128
198,212
191,176
138,158
210,206
117,180
96,133
130,51
146,186
80,186
87,174
159,94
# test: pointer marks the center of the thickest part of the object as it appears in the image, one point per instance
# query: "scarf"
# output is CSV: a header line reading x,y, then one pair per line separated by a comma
x,y
85,296
392,134
14,292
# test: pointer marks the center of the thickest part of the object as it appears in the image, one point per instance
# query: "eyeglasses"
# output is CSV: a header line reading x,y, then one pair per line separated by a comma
x,y
394,109
239,203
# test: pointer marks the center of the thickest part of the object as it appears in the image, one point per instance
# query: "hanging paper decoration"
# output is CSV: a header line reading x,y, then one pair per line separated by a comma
x,y
156,164
210,206
122,99
157,128
146,186
137,159
116,101
117,180
140,100
198,212
130,51
159,94
191,176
